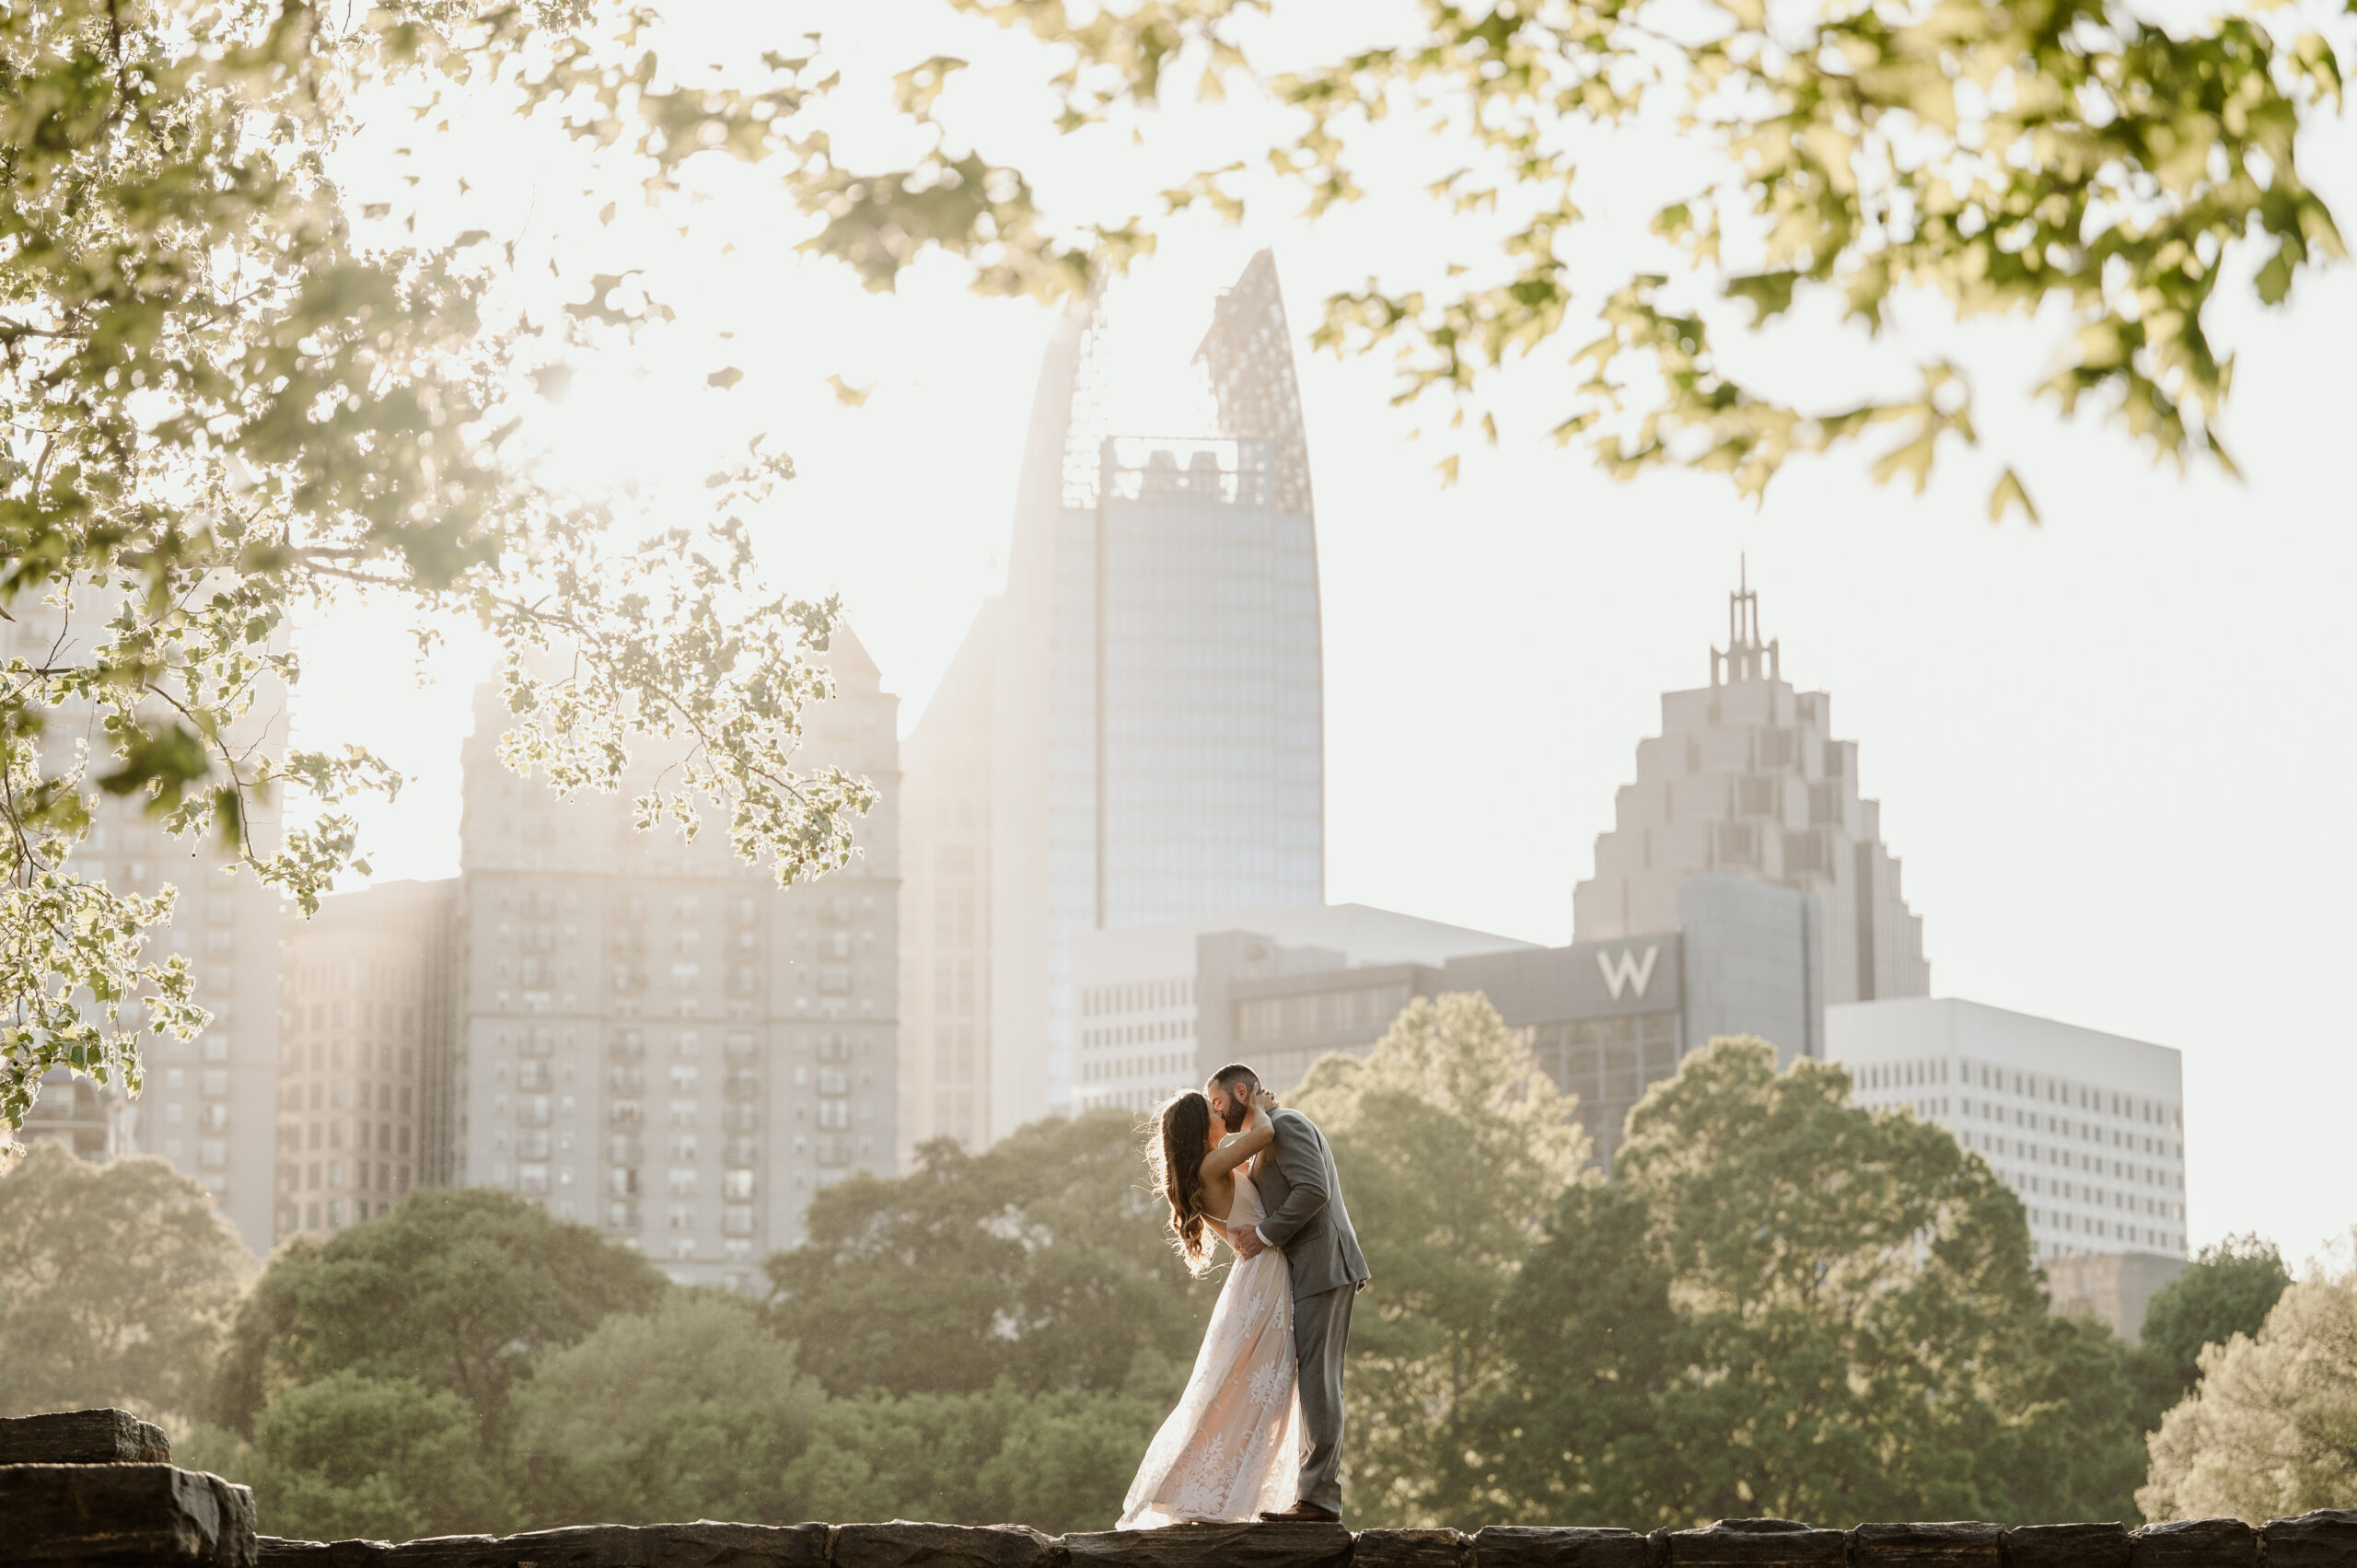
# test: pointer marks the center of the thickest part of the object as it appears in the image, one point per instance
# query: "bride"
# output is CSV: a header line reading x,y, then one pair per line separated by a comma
x,y
1233,1446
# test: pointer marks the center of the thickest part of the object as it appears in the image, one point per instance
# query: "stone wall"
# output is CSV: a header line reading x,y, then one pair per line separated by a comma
x,y
2326,1539
96,1488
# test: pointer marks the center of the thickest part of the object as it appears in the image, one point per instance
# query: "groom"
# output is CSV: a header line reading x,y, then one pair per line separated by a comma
x,y
1307,1223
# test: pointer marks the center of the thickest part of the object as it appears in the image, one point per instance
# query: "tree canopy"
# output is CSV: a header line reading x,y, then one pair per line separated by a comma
x,y
2272,1427
693,1410
1452,1146
458,1290
2228,1289
117,1284
1789,1305
1041,1261
231,397
2075,164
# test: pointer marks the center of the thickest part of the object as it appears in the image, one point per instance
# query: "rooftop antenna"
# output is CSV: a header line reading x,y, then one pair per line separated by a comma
x,y
1746,657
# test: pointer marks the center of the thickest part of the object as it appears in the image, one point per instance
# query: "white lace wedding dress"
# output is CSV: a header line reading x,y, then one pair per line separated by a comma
x,y
1233,1446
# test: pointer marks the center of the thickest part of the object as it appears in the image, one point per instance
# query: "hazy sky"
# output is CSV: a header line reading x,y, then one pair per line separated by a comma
x,y
2114,752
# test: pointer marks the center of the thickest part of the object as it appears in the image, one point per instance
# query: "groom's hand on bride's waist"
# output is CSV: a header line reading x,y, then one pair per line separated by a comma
x,y
1248,1242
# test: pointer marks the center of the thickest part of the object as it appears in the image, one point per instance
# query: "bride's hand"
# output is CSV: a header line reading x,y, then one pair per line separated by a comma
x,y
1263,1101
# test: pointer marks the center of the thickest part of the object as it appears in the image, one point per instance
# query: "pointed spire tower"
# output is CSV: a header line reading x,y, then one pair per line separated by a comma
x,y
1133,731
1745,779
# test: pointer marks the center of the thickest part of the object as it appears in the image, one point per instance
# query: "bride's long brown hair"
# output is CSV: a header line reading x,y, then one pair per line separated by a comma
x,y
1177,1162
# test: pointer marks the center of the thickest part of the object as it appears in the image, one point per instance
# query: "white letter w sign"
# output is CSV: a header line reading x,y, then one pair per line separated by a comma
x,y
1628,973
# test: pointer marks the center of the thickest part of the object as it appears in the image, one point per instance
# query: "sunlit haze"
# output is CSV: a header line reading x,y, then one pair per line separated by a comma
x,y
2112,750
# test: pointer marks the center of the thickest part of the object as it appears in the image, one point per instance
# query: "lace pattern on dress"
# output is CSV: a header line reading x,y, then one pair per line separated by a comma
x,y
1233,1446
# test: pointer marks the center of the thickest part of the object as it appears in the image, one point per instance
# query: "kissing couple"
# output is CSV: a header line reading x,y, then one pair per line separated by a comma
x,y
1259,1430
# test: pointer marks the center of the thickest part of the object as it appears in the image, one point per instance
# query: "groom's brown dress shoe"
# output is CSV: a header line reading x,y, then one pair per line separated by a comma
x,y
1304,1513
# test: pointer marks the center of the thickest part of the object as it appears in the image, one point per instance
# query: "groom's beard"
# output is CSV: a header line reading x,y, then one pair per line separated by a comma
x,y
1233,1119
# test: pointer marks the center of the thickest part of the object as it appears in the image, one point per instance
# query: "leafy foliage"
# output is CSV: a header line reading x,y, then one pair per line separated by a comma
x,y
457,1290
1791,1305
117,1282
2272,1427
690,1411
352,1456
2228,1289
1056,1461
1040,1261
2062,160
1452,1148
226,404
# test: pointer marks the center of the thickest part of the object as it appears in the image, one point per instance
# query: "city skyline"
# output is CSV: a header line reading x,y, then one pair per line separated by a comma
x,y
2022,718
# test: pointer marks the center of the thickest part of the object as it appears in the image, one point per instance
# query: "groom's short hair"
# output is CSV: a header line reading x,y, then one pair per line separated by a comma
x,y
1235,1073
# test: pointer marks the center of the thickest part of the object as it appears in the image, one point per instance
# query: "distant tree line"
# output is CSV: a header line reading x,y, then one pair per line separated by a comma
x,y
1781,1304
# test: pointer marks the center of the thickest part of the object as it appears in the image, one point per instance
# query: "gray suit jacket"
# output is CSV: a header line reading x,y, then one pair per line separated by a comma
x,y
1303,1197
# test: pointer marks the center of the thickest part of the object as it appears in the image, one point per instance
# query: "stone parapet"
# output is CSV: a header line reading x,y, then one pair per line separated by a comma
x,y
2324,1540
94,1489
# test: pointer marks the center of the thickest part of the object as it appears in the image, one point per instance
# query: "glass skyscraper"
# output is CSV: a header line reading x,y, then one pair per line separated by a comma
x,y
1134,732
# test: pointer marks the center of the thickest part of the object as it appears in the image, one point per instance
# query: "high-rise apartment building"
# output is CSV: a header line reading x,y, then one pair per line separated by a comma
x,y
2087,1128
1747,779
651,1035
1133,733
364,1000
207,1105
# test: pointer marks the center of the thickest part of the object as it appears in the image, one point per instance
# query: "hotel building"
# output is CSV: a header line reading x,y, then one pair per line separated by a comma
x,y
1747,779
1606,1019
1143,990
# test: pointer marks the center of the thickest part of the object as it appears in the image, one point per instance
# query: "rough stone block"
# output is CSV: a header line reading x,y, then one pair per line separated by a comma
x,y
82,1437
2194,1543
1411,1549
1957,1544
704,1544
2324,1538
905,1544
1212,1546
1560,1546
1756,1543
150,1516
2067,1546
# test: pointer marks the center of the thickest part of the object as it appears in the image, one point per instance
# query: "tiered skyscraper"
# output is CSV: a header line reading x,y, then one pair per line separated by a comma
x,y
1133,732
1747,779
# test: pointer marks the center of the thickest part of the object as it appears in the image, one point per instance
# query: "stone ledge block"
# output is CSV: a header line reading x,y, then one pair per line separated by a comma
x,y
2194,1543
1756,1543
1560,1546
138,1516
82,1437
2067,1546
703,1544
1411,1549
905,1543
2324,1538
1204,1546
1960,1543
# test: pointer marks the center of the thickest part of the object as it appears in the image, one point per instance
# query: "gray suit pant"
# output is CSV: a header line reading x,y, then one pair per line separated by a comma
x,y
1321,1332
